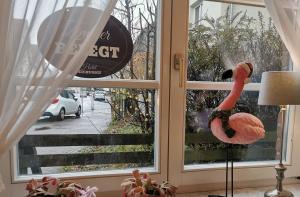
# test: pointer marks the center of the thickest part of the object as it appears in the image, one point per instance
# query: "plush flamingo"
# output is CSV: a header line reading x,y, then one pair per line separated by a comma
x,y
235,128
238,128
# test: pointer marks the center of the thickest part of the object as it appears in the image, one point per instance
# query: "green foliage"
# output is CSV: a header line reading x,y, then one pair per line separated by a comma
x,y
133,107
123,127
102,167
220,43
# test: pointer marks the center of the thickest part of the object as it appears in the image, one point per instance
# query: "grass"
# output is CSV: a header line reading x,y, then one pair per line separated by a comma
x,y
123,127
103,167
115,127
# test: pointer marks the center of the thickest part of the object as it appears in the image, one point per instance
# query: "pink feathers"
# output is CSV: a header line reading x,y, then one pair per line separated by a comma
x,y
245,128
248,129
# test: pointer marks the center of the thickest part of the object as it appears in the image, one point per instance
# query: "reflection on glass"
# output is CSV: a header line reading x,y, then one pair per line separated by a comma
x,y
100,129
202,147
226,34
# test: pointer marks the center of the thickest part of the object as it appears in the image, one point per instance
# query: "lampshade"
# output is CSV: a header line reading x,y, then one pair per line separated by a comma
x,y
280,88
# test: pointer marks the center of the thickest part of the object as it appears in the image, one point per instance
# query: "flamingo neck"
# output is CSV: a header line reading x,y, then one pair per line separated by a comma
x,y
230,101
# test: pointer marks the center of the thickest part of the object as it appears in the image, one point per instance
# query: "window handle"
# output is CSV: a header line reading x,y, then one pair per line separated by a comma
x,y
179,65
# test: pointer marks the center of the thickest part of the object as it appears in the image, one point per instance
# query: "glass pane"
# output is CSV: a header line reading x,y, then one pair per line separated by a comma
x,y
140,17
202,147
230,33
99,129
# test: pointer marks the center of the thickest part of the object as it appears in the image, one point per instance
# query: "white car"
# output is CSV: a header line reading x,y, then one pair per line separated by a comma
x,y
99,95
65,104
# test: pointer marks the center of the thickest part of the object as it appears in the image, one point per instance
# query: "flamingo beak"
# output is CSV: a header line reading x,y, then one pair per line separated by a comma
x,y
227,74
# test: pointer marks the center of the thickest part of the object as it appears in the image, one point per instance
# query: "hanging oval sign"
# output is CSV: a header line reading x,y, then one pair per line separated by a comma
x,y
111,52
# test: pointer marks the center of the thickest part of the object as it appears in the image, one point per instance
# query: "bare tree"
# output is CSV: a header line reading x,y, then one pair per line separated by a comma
x,y
137,106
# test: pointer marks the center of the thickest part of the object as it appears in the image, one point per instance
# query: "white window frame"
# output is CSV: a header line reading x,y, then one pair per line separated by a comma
x,y
207,177
110,181
171,103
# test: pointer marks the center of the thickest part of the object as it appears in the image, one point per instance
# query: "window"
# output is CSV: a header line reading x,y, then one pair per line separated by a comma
x,y
203,148
197,15
197,10
228,33
154,117
115,132
223,38
108,126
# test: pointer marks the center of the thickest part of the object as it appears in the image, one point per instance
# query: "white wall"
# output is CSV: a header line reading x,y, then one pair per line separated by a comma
x,y
217,9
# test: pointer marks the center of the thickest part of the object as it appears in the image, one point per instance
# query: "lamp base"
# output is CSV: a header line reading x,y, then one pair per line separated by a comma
x,y
277,193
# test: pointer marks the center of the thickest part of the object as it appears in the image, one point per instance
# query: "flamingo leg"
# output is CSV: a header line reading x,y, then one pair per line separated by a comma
x,y
227,161
231,147
227,158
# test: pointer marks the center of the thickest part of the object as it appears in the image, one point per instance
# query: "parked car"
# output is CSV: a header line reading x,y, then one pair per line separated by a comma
x,y
72,91
65,104
99,95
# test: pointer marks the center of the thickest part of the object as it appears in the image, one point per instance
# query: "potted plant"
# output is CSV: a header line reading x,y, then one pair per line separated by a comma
x,y
141,185
52,187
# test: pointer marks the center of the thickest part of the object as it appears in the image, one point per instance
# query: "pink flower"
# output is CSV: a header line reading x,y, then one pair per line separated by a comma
x,y
32,185
90,191
51,186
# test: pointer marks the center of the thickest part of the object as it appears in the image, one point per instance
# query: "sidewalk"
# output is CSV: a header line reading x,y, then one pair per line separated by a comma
x,y
91,121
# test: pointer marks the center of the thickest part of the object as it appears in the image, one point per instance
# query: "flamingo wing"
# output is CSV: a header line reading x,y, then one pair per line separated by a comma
x,y
248,128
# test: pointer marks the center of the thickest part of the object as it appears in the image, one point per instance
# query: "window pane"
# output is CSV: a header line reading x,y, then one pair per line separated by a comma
x,y
202,147
100,129
232,33
197,14
140,17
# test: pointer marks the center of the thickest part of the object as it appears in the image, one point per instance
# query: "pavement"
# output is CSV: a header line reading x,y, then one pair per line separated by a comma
x,y
92,121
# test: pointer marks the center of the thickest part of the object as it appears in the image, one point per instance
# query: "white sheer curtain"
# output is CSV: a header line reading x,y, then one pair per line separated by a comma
x,y
27,80
286,17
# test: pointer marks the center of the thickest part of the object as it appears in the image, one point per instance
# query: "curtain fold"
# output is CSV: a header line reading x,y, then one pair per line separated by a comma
x,y
286,18
34,65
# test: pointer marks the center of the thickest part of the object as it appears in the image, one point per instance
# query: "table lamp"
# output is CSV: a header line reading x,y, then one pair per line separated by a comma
x,y
280,88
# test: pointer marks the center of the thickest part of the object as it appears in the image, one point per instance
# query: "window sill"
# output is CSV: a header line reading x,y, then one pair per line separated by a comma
x,y
84,175
237,165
